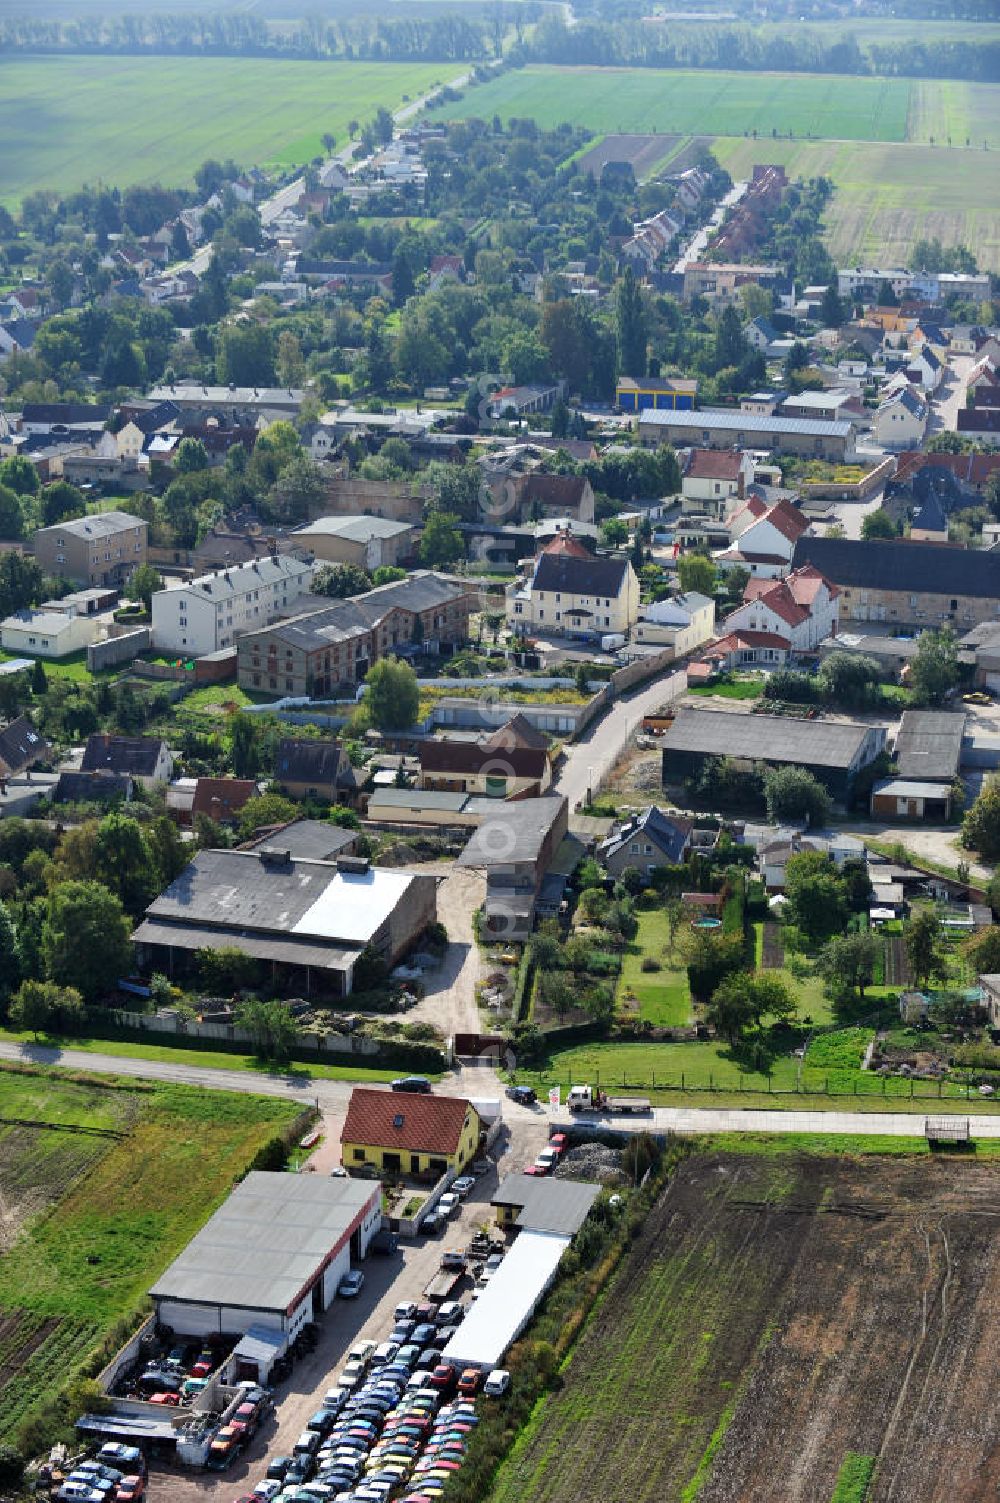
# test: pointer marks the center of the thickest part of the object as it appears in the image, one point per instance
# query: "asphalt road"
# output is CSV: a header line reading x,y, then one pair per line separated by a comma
x,y
590,759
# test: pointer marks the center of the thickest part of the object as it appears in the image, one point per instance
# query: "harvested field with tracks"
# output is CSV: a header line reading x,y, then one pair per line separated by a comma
x,y
645,153
775,1319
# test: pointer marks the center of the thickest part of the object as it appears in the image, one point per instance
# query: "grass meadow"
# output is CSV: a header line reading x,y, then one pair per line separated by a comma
x,y
96,1218
65,121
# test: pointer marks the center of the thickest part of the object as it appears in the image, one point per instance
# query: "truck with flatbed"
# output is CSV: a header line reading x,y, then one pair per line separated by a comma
x,y
585,1098
442,1284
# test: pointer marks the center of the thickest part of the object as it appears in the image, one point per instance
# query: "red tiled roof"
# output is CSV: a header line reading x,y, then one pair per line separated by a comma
x,y
787,520
805,585
775,594
970,469
405,1121
742,636
713,464
565,545
220,797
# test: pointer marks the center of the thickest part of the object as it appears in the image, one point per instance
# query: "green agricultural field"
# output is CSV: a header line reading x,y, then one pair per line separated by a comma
x,y
887,196
92,1215
696,102
71,120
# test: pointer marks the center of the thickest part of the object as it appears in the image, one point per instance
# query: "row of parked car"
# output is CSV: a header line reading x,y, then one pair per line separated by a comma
x,y
395,1425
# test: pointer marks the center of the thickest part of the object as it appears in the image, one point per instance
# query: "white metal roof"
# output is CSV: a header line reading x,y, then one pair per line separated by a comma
x,y
354,905
508,1302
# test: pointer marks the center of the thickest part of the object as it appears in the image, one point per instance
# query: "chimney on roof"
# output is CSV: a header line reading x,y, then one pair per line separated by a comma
x,y
272,856
355,866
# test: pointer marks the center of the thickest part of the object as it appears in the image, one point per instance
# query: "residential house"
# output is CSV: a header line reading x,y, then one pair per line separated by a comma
x,y
763,537
645,841
21,747
17,335
571,591
316,653
929,525
47,633
722,428
802,608
900,421
862,284
760,333
925,368
906,583
306,922
981,423
369,542
405,1133
512,762
685,623
743,647
637,393
445,269
536,496
834,405
222,799
720,282
102,549
313,769
714,481
211,611
146,759
231,400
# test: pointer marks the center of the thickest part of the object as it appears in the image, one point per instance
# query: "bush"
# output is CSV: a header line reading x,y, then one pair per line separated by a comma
x,y
650,963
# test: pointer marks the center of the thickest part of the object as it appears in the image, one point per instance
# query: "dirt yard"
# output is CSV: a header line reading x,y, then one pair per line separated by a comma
x,y
775,1316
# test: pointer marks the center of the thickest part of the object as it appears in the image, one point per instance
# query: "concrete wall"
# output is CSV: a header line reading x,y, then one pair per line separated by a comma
x,y
348,496
118,649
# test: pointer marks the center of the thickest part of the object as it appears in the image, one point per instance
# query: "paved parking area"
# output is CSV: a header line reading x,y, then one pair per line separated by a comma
x,y
387,1282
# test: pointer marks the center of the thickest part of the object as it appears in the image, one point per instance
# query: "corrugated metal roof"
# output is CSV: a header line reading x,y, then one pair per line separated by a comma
x,y
778,738
929,743
267,1241
743,422
910,788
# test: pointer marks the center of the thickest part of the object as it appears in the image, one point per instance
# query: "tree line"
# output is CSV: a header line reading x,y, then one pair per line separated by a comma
x,y
635,43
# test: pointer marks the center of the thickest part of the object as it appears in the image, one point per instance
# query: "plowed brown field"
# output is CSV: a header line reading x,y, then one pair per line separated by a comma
x,y
776,1315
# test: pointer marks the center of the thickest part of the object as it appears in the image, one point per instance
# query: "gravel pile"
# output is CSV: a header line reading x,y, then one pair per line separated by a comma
x,y
593,1162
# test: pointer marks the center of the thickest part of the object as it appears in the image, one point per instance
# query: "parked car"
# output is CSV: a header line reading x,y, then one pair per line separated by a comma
x,y
417,1083
524,1095
497,1383
469,1381
79,1492
449,1313
558,1142
277,1467
384,1243
432,1223
453,1261
443,1378
548,1158
463,1185
405,1310
448,1204
130,1489
351,1284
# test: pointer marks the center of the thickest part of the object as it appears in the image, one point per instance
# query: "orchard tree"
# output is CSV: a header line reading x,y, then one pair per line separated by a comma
x,y
922,937
847,963
743,1000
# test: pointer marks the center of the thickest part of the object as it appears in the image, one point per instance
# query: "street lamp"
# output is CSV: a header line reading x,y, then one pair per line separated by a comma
x,y
590,784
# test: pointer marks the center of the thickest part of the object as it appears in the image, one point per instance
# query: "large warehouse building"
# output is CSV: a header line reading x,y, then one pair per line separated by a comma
x,y
271,1256
834,751
308,922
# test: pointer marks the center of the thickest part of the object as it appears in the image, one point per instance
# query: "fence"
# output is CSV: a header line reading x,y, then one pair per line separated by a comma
x,y
882,1088
329,1048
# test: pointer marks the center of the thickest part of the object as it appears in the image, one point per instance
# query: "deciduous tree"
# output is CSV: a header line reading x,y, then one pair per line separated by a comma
x,y
393,696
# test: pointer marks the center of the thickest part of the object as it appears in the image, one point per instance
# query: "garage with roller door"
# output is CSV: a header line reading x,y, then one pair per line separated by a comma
x,y
271,1256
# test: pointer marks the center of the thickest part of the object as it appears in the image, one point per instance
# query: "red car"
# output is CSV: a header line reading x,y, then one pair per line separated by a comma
x,y
559,1142
170,1399
469,1382
443,1377
130,1489
201,1369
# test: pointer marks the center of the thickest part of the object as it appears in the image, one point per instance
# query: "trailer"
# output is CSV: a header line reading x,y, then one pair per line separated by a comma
x,y
585,1098
947,1130
441,1285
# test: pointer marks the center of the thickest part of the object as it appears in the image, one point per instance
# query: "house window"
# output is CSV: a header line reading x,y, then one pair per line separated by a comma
x,y
953,606
359,1155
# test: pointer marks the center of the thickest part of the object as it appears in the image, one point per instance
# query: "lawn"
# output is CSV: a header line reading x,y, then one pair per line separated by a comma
x,y
65,121
99,1216
210,1059
733,688
696,102
663,996
74,666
